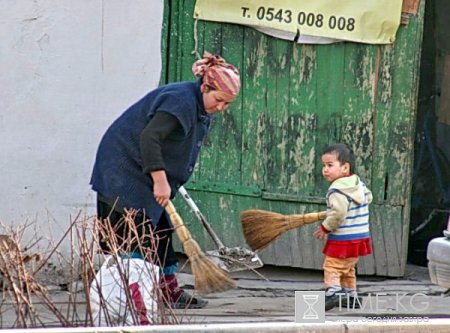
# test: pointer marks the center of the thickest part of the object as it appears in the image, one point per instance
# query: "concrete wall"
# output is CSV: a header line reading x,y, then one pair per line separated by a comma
x,y
67,70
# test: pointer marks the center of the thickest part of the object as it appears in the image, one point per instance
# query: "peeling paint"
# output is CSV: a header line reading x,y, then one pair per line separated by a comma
x,y
307,64
255,63
223,203
299,98
386,77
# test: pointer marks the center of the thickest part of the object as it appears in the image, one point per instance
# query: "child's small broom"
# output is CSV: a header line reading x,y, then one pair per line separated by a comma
x,y
208,277
261,227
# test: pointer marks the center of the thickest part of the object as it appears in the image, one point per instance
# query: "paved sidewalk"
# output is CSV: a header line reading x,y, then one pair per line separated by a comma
x,y
386,299
433,326
256,300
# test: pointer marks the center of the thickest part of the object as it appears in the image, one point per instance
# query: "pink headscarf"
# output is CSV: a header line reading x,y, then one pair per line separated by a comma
x,y
217,74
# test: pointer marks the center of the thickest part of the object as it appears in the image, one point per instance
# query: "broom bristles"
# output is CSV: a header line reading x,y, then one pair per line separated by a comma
x,y
262,227
208,277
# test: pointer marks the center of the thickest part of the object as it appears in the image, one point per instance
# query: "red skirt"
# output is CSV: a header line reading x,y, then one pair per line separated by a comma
x,y
348,249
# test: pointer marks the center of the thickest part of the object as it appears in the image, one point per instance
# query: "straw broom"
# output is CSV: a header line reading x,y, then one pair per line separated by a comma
x,y
261,227
208,277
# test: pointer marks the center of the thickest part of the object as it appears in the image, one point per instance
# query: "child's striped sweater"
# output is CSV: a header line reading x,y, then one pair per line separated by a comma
x,y
347,222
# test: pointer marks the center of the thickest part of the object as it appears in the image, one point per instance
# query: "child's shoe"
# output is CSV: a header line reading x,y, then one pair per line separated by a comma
x,y
351,302
332,298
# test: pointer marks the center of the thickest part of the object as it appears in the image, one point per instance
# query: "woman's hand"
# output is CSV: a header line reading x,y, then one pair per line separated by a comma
x,y
161,187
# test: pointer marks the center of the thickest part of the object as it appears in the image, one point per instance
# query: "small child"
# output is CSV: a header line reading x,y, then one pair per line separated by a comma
x,y
346,226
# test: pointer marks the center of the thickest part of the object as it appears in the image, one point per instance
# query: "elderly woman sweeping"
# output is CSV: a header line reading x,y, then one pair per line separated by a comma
x,y
149,152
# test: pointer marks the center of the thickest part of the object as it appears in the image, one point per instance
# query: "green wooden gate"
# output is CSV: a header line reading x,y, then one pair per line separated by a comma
x,y
295,100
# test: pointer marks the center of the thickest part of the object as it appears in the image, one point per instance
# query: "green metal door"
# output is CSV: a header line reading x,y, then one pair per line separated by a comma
x,y
295,100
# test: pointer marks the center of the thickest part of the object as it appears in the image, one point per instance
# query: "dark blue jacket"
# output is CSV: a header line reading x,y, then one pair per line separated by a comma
x,y
118,171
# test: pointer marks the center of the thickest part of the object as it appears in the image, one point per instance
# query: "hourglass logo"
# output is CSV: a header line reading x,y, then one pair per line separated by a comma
x,y
309,306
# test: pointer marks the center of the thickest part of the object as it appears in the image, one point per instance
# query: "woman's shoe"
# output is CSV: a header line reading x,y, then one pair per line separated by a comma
x,y
187,301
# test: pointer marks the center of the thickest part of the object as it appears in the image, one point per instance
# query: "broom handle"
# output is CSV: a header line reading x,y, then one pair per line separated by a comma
x,y
181,230
308,218
200,217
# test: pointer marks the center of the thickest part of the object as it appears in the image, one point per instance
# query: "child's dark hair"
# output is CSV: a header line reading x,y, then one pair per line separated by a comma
x,y
343,153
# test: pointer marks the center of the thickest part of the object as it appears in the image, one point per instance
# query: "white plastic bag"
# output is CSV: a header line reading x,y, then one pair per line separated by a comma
x,y
123,292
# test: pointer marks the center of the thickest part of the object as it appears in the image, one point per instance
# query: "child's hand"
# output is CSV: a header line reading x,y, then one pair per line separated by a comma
x,y
319,233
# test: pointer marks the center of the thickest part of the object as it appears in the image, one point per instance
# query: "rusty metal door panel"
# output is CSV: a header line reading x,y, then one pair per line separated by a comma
x,y
295,100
